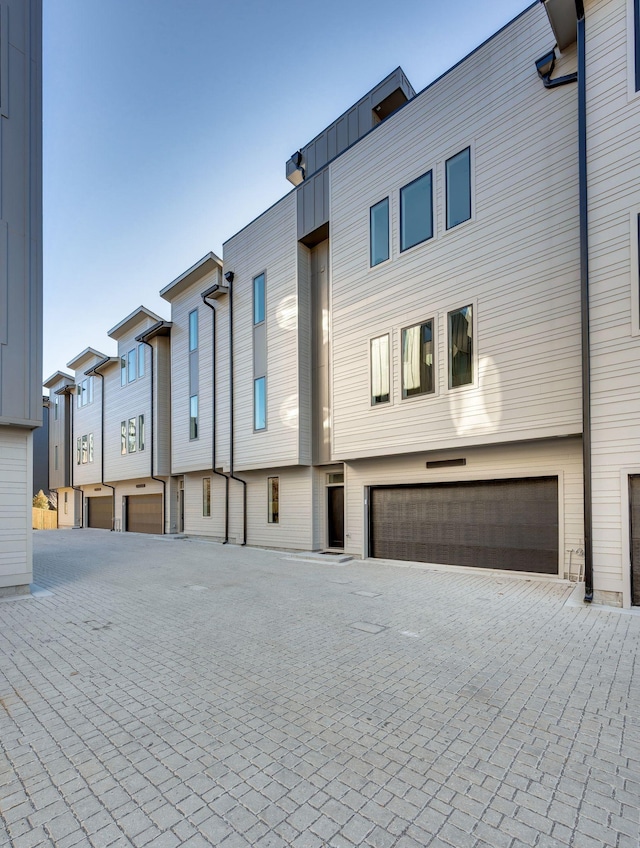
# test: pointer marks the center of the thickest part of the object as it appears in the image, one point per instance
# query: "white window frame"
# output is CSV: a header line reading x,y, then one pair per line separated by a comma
x,y
206,497
474,355
434,331
371,339
270,511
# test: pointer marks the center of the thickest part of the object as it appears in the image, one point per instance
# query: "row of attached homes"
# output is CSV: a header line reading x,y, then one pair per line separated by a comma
x,y
428,350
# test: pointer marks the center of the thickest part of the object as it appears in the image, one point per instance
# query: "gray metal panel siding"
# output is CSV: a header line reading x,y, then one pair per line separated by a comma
x,y
260,350
21,222
313,203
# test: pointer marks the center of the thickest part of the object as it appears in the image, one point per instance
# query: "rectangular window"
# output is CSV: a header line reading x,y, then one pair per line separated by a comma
x,y
416,212
66,502
141,360
206,497
85,450
260,403
123,370
141,432
90,447
458,177
131,445
379,232
380,377
123,438
79,394
90,395
78,450
258,299
193,330
131,370
55,408
55,458
273,489
460,347
193,417
417,360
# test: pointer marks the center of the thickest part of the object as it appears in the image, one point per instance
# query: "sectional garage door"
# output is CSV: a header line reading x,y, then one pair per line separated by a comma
x,y
144,514
507,524
99,512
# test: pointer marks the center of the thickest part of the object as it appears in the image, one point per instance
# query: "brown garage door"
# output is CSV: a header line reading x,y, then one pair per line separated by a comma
x,y
144,514
634,498
508,524
99,512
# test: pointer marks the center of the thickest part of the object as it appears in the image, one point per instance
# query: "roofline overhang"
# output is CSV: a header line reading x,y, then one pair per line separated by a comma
x,y
203,266
563,18
77,361
50,382
108,360
131,320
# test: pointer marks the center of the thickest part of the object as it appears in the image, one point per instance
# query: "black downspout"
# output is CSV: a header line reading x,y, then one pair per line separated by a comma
x,y
231,474
158,479
213,418
102,483
584,307
72,398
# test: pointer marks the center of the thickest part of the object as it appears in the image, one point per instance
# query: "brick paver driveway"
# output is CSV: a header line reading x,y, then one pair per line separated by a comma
x,y
184,693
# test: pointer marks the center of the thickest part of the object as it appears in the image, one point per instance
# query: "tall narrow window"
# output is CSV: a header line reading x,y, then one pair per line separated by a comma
x,y
460,347
206,497
416,212
259,403
458,173
79,394
90,396
55,408
141,348
417,360
55,457
85,450
123,370
90,447
193,417
193,330
78,450
141,432
380,378
258,299
131,446
66,502
123,438
131,370
379,232
273,490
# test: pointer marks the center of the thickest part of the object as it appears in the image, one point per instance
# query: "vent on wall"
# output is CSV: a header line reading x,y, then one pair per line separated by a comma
x,y
445,463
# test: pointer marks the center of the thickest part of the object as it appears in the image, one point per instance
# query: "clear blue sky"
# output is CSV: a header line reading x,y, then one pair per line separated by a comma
x,y
167,125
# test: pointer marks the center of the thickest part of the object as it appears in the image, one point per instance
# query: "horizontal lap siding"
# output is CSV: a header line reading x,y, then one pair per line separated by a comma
x,y
58,435
123,403
86,420
195,523
162,403
193,455
15,506
517,262
294,529
548,458
614,193
268,244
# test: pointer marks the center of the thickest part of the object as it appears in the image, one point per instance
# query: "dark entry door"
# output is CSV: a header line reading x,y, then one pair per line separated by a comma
x,y
505,524
634,499
335,502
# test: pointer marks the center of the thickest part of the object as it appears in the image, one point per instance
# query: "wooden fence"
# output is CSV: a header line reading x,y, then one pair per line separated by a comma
x,y
44,519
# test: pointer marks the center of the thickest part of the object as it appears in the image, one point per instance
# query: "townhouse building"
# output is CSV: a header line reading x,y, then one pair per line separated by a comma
x,y
427,349
20,281
61,388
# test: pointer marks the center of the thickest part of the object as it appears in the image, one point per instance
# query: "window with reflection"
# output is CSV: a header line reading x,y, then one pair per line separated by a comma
x,y
416,212
458,177
460,323
417,360
379,232
380,377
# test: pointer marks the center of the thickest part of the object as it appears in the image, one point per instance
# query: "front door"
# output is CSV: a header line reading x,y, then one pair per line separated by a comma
x,y
335,523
